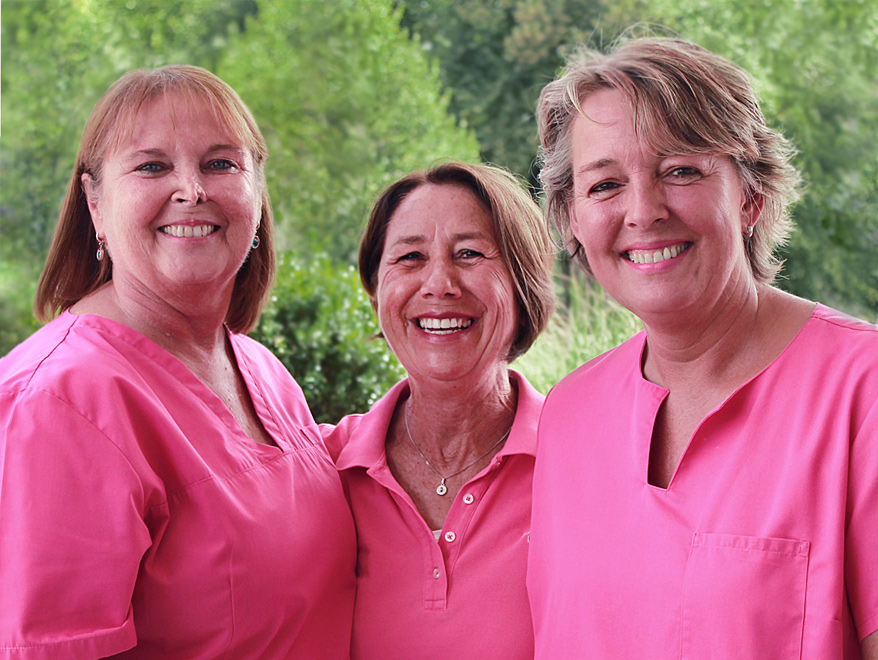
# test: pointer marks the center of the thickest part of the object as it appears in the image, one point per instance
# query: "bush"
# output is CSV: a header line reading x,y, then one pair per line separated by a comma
x,y
17,322
320,324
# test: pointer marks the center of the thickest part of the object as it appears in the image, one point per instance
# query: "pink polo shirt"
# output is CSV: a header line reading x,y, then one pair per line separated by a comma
x,y
765,543
135,513
462,597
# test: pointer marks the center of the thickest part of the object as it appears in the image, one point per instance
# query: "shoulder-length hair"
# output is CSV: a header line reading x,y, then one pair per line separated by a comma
x,y
518,227
686,100
72,271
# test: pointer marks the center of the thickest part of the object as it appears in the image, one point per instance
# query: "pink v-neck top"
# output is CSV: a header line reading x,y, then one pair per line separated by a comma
x,y
765,543
463,596
136,514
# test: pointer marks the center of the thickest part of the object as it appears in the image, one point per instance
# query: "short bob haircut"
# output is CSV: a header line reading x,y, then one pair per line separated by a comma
x,y
686,100
518,227
72,271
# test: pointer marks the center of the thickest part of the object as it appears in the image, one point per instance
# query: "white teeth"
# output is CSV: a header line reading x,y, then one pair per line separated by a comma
x,y
656,256
188,231
444,326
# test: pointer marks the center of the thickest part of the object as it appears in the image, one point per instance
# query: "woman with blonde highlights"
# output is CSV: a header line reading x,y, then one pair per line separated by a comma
x,y
164,490
707,489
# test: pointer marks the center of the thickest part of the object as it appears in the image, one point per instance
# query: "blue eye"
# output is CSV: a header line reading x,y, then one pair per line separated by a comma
x,y
683,171
467,253
150,168
221,164
603,186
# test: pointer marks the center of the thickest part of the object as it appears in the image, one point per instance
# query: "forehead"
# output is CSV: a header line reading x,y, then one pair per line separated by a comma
x,y
605,127
440,209
170,113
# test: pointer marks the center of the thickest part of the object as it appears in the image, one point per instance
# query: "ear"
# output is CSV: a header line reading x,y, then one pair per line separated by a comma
x,y
574,220
752,210
89,188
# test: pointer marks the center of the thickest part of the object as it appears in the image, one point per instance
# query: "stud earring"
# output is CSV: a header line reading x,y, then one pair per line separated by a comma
x,y
255,243
749,232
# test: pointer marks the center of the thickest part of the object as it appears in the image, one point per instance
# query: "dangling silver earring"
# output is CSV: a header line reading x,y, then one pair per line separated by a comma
x,y
255,243
749,232
100,253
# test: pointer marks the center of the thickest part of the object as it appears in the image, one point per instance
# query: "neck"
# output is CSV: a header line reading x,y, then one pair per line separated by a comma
x,y
191,330
453,425
703,343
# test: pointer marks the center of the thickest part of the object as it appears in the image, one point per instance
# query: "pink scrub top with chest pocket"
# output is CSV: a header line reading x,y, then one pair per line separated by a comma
x,y
765,543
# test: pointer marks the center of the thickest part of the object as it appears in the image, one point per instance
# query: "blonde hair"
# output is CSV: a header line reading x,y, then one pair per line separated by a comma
x,y
686,100
517,224
71,270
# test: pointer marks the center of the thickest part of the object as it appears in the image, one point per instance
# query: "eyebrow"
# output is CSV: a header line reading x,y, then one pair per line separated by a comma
x,y
596,165
139,153
420,238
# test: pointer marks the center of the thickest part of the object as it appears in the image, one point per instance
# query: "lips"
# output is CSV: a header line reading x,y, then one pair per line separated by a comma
x,y
657,255
445,326
188,231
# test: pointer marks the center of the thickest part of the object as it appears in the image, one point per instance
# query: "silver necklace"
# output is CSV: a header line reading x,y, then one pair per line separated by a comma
x,y
441,489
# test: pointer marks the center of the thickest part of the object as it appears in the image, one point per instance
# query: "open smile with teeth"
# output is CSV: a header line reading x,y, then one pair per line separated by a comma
x,y
443,326
188,231
656,256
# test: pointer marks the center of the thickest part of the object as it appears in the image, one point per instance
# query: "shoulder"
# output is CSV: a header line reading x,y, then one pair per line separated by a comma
x,y
361,434
601,371
58,356
838,341
838,324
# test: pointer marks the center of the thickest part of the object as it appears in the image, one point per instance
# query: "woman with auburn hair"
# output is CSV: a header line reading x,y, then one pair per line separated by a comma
x,y
164,490
707,489
458,265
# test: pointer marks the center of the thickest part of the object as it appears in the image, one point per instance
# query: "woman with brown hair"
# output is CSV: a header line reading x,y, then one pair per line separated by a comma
x,y
458,265
164,490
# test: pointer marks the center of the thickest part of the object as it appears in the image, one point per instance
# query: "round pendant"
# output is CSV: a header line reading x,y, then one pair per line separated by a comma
x,y
441,489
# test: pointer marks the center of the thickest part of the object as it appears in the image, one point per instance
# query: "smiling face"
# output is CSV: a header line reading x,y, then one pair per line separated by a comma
x,y
661,233
178,202
445,298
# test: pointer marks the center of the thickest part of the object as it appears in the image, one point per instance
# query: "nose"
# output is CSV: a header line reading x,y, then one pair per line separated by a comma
x,y
189,189
647,204
440,279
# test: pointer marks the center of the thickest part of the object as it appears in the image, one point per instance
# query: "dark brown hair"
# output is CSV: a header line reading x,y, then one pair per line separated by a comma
x,y
518,229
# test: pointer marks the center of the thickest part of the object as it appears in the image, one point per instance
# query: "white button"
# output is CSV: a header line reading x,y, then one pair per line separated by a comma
x,y
436,573
468,498
449,536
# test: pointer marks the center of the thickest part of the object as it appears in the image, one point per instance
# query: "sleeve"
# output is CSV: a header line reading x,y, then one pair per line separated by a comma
x,y
73,533
861,537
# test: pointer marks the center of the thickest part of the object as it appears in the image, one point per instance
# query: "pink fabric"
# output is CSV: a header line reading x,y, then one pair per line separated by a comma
x,y
134,509
765,544
462,597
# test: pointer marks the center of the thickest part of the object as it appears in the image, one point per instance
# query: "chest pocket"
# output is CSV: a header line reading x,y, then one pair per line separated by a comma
x,y
744,597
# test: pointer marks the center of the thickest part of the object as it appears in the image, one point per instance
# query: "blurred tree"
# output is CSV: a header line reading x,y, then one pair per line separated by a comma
x,y
496,56
815,63
348,104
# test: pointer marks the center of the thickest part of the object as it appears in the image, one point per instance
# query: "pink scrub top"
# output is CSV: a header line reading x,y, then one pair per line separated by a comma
x,y
463,596
765,543
136,514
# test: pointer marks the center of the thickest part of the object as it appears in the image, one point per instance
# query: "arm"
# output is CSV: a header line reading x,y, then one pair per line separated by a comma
x,y
870,647
71,533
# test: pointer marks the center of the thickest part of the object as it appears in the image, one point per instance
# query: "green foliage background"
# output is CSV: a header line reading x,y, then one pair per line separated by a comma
x,y
351,94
